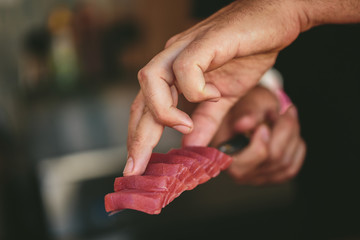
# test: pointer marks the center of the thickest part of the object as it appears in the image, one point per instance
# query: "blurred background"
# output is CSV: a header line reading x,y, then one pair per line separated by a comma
x,y
67,79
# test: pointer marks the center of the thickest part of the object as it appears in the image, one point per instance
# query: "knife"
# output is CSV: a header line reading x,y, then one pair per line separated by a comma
x,y
234,145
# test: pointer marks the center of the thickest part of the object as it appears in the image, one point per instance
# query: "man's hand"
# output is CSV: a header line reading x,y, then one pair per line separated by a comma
x,y
276,150
218,60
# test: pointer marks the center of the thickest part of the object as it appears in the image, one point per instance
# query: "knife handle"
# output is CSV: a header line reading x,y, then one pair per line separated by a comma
x,y
234,145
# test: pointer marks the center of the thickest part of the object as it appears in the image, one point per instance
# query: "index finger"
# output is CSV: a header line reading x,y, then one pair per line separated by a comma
x,y
155,80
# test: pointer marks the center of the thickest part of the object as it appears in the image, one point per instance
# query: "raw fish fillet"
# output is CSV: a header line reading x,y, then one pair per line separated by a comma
x,y
165,178
210,153
197,172
224,160
148,202
177,171
148,183
205,162
165,169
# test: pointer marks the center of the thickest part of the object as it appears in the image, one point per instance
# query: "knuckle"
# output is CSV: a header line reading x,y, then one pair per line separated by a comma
x,y
134,107
171,40
160,115
141,75
146,110
180,65
144,75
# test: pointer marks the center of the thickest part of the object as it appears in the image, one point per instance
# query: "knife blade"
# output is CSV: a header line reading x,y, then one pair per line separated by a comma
x,y
234,145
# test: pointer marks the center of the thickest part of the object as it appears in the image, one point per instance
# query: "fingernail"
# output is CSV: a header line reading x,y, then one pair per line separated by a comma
x,y
129,166
265,135
184,120
211,91
183,129
216,99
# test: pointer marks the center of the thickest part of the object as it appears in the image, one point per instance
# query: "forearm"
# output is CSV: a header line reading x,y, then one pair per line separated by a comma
x,y
318,12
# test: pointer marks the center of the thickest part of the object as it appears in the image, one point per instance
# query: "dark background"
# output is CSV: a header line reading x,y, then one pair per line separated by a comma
x,y
322,70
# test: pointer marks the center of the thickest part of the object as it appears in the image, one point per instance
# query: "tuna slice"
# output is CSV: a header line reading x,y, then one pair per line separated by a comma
x,y
205,162
147,183
178,171
210,153
224,160
165,178
197,172
148,202
164,169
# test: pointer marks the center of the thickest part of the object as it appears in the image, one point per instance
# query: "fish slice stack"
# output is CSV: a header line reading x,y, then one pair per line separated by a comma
x,y
165,178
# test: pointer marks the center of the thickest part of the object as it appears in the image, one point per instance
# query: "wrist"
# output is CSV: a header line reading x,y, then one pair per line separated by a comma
x,y
317,12
297,12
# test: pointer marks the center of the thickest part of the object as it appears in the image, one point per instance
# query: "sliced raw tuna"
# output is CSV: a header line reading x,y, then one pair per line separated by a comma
x,y
225,160
201,175
148,202
197,172
205,162
220,159
210,153
164,169
178,171
147,183
165,178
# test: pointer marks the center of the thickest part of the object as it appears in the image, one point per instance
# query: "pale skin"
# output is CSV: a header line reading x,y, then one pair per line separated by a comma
x,y
219,60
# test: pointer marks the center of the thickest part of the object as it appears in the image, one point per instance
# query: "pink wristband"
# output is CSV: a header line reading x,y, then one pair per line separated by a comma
x,y
285,101
273,81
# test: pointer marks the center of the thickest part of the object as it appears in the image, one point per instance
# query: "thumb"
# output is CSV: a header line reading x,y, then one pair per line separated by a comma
x,y
253,155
